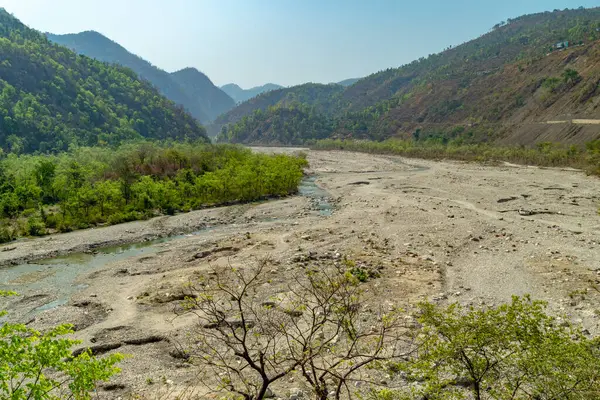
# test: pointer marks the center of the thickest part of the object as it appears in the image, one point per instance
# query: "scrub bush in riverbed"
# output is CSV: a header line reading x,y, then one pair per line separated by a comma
x,y
90,186
544,154
35,365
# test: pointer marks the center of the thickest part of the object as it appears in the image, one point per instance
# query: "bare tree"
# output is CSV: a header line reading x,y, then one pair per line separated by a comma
x,y
317,326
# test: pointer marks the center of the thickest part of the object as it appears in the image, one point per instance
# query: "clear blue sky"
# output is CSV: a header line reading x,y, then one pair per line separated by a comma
x,y
251,42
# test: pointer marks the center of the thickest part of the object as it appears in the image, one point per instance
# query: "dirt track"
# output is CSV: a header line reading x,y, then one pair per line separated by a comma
x,y
438,230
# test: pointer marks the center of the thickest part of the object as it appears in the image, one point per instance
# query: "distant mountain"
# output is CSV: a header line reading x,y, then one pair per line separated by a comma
x,y
201,103
530,79
348,82
203,94
240,95
52,98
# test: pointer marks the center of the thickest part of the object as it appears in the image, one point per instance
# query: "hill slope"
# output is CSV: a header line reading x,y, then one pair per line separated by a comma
x,y
51,97
240,95
320,97
95,45
505,86
203,94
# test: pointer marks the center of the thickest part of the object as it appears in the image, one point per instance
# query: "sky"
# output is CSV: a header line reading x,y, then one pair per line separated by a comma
x,y
288,42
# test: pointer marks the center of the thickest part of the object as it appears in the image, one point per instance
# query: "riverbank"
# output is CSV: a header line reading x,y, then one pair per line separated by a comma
x,y
444,231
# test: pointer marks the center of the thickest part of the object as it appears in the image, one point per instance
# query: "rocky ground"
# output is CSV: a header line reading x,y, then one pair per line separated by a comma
x,y
442,231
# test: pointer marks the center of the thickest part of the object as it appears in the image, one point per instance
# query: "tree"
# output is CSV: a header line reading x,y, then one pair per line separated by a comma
x,y
314,329
514,351
35,365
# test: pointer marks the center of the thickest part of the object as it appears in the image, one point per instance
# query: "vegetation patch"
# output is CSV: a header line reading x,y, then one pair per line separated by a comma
x,y
544,154
94,186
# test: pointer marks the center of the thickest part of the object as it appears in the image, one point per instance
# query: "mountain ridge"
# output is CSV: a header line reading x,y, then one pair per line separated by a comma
x,y
492,88
95,45
52,98
240,95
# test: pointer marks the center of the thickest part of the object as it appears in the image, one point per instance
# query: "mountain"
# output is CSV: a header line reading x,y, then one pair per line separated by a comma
x,y
320,97
292,125
201,104
51,98
240,95
504,86
348,82
204,95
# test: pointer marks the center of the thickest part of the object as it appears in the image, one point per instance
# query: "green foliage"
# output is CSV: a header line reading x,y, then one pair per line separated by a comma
x,y
570,76
513,351
51,98
90,186
293,124
35,365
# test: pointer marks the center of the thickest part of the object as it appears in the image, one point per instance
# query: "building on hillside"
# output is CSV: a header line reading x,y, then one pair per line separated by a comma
x,y
562,45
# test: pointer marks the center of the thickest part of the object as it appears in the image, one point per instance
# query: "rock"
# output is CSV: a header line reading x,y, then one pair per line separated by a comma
x,y
269,394
506,199
296,394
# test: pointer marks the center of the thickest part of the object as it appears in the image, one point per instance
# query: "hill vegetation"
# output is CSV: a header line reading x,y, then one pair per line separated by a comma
x,y
240,95
320,97
51,98
501,87
189,88
294,124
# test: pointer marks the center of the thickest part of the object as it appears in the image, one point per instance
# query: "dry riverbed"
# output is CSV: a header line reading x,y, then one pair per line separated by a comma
x,y
442,231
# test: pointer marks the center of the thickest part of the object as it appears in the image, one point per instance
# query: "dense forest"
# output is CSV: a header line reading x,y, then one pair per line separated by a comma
x,y
90,186
51,98
322,98
295,124
189,88
503,86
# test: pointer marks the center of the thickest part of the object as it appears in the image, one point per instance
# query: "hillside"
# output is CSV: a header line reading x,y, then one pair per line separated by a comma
x,y
240,95
503,86
293,124
322,98
201,104
52,98
203,94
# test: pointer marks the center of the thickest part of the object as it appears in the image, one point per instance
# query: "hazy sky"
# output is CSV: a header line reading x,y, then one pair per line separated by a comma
x,y
252,42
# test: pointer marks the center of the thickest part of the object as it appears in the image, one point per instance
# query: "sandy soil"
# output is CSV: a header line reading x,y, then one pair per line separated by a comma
x,y
442,231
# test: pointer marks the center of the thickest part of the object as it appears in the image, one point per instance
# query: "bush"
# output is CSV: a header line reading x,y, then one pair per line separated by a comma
x,y
35,227
513,351
35,365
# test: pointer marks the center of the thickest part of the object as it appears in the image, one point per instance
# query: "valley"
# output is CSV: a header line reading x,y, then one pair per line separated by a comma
x,y
443,231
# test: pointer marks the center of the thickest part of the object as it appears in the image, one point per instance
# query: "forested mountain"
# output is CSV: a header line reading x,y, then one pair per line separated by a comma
x,y
292,124
504,86
203,94
322,98
240,95
200,103
51,98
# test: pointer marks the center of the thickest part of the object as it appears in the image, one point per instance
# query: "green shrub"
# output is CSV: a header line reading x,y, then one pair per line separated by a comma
x,y
513,351
36,365
35,227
